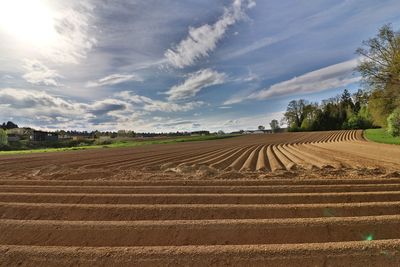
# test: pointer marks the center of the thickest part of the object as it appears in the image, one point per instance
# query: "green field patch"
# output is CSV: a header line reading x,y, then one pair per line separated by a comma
x,y
381,136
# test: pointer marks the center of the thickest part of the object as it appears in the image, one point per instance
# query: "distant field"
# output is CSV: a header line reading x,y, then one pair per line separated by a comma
x,y
381,136
121,144
263,153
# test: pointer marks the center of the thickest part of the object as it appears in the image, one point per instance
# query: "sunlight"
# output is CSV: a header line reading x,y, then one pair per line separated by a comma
x,y
29,21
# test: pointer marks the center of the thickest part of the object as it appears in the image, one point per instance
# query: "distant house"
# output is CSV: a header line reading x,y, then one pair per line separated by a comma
x,y
40,136
13,138
258,132
200,133
22,133
64,137
80,137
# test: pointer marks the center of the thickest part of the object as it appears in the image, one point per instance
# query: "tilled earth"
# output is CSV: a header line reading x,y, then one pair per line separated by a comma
x,y
295,199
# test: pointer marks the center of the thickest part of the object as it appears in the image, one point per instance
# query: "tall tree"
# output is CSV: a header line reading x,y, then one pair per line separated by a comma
x,y
380,69
274,124
295,113
381,58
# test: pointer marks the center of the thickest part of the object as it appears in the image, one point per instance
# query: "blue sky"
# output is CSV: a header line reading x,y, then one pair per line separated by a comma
x,y
164,65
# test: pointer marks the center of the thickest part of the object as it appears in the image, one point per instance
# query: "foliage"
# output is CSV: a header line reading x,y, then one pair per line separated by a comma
x,y
261,128
394,123
380,70
381,64
295,113
340,112
8,125
307,124
3,137
274,124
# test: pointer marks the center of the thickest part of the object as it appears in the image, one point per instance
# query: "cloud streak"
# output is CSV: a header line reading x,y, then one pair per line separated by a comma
x,y
153,105
204,39
330,77
114,79
195,83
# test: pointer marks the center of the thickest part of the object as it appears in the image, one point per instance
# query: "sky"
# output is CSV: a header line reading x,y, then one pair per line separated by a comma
x,y
172,65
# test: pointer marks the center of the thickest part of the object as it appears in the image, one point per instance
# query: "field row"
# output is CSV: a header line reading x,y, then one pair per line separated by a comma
x,y
220,221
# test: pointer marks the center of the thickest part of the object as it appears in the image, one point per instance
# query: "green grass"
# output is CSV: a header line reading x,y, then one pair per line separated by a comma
x,y
381,136
122,144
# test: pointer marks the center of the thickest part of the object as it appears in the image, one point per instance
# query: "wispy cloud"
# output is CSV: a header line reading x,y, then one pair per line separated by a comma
x,y
330,77
151,105
266,41
203,40
114,79
195,83
39,74
73,26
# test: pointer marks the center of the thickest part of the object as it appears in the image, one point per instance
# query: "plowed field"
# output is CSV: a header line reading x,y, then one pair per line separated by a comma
x,y
293,199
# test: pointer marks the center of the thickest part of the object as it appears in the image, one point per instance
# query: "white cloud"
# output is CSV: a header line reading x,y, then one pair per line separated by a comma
x,y
39,74
152,105
48,111
330,77
195,83
114,79
203,40
23,103
73,24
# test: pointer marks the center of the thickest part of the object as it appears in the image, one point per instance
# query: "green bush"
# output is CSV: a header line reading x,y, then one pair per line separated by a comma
x,y
394,123
307,124
103,142
357,122
3,138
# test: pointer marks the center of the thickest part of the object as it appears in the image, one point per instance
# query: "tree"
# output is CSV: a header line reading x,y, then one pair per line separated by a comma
x,y
306,125
295,113
360,98
394,123
121,133
380,70
261,128
274,124
345,100
3,137
8,125
381,64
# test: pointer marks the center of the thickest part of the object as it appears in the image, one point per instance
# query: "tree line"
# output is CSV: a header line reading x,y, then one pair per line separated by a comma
x,y
377,104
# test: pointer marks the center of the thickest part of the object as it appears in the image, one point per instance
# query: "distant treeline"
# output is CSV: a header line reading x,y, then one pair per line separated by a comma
x,y
341,112
376,105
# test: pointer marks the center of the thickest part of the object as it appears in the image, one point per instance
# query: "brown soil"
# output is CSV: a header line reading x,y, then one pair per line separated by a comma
x,y
295,199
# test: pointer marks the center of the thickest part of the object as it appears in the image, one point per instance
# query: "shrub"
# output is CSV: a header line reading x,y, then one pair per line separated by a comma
x,y
3,138
307,124
394,123
103,142
357,122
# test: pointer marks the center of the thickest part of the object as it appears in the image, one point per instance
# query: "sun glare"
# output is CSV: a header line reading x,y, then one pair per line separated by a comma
x,y
29,21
